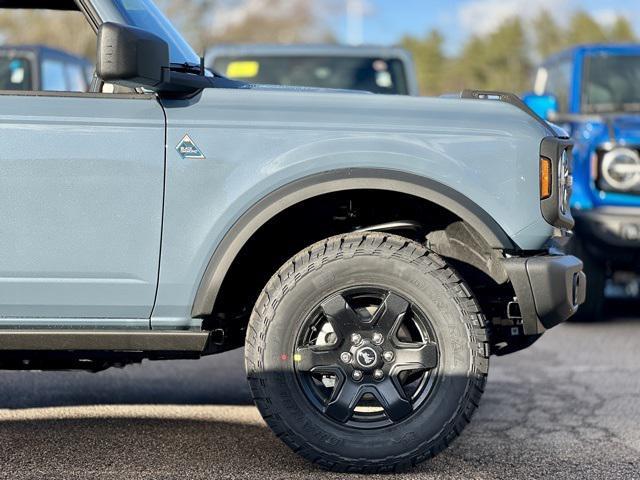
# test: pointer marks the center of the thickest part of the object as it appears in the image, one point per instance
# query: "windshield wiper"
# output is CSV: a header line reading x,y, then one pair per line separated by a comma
x,y
185,68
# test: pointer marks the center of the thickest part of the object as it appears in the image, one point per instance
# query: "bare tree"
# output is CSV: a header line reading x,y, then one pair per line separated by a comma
x,y
207,22
67,30
204,23
193,17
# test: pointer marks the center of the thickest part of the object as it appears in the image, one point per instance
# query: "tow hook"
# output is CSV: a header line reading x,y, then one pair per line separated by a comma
x,y
217,337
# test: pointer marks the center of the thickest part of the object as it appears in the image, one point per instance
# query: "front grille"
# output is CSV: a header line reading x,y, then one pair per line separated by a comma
x,y
617,169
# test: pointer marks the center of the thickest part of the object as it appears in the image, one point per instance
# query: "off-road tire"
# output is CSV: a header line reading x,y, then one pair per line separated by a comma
x,y
415,272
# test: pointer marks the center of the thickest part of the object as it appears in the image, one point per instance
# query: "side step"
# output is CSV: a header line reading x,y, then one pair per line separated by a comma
x,y
95,340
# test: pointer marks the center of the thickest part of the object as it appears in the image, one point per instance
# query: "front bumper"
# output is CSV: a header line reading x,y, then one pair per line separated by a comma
x,y
549,289
610,226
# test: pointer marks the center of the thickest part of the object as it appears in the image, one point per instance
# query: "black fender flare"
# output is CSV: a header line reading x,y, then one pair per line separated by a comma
x,y
334,181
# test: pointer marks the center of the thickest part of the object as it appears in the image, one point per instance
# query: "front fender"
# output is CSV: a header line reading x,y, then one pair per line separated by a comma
x,y
258,142
334,181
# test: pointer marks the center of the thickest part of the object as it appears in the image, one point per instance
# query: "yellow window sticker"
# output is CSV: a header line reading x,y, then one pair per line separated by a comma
x,y
243,69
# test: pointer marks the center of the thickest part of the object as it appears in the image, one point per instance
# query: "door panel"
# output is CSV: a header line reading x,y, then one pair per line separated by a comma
x,y
81,192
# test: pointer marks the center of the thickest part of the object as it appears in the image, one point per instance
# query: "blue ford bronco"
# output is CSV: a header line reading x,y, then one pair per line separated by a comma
x,y
593,92
369,251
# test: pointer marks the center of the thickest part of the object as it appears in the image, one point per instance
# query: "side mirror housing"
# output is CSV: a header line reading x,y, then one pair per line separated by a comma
x,y
131,57
543,105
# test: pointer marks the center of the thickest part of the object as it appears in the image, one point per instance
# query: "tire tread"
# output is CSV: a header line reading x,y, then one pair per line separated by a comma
x,y
335,249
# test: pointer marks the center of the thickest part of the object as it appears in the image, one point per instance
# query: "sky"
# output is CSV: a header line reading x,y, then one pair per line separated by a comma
x,y
386,21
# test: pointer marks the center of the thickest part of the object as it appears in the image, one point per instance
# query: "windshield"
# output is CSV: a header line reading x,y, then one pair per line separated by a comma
x,y
145,15
374,74
15,73
611,84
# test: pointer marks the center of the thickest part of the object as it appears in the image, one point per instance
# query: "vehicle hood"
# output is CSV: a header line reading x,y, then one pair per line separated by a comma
x,y
364,111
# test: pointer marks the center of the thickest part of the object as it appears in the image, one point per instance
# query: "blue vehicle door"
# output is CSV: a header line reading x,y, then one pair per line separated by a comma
x,y
81,192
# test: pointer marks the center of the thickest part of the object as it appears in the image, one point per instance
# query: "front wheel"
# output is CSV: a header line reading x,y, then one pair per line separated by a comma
x,y
366,352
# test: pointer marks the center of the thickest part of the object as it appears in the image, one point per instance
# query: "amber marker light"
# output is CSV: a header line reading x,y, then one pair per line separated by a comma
x,y
545,178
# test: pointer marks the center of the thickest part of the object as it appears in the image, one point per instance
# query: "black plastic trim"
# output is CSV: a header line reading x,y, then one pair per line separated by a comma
x,y
549,289
552,148
335,181
517,272
103,340
461,242
509,98
40,4
559,286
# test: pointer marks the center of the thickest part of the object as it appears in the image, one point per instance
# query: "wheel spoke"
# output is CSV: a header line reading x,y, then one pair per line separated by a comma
x,y
416,356
342,317
393,400
328,360
315,358
390,313
344,400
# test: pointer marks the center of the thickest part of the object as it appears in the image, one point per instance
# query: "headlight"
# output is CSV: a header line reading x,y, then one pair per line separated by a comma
x,y
621,168
556,181
565,181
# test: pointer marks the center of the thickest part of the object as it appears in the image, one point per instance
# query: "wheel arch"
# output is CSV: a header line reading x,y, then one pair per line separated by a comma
x,y
336,181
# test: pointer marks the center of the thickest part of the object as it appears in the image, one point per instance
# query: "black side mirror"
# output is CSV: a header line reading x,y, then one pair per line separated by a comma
x,y
130,56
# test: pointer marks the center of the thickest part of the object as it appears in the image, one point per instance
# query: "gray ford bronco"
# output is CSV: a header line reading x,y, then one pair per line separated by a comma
x,y
371,252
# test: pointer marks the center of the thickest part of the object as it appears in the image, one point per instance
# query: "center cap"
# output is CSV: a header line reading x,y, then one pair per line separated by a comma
x,y
366,357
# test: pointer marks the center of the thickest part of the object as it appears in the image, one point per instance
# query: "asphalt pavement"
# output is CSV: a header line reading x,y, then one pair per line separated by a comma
x,y
568,407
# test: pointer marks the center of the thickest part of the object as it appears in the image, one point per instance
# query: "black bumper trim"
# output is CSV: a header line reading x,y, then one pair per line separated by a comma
x,y
549,289
91,340
552,149
612,226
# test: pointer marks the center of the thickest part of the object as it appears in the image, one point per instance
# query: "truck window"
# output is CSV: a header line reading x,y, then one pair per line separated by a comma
x,y
377,75
559,83
76,77
611,83
15,73
53,78
28,62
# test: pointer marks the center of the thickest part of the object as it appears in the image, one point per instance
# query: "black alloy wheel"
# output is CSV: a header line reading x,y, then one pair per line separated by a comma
x,y
366,352
366,357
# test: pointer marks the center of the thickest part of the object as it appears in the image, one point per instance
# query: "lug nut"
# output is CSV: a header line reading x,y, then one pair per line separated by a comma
x,y
378,338
356,338
345,357
378,374
388,356
357,375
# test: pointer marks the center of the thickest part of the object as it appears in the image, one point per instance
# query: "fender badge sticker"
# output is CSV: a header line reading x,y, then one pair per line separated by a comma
x,y
188,150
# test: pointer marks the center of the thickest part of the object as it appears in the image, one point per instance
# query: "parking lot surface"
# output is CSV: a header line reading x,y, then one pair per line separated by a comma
x,y
569,407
